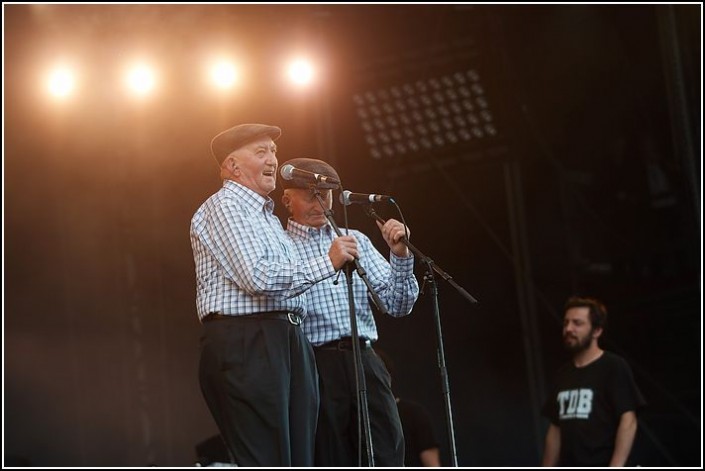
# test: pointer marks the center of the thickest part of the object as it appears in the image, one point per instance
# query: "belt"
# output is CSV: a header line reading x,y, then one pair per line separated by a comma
x,y
291,317
346,343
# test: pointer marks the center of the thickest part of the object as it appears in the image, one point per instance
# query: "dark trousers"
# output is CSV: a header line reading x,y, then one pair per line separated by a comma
x,y
337,434
259,379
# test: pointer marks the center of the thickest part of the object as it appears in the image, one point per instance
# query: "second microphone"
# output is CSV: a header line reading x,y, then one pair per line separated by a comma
x,y
348,198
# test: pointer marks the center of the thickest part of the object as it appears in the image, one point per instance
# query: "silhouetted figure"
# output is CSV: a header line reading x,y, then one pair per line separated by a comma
x,y
420,443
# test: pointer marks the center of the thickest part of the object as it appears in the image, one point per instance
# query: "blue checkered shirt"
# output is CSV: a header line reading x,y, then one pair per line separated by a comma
x,y
245,263
328,312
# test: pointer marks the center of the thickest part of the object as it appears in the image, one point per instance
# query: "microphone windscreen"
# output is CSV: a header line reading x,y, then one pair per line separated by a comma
x,y
344,198
287,172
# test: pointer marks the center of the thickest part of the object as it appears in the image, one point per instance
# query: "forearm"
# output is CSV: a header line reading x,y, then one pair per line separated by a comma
x,y
400,299
256,257
430,458
552,447
393,280
284,280
403,289
625,439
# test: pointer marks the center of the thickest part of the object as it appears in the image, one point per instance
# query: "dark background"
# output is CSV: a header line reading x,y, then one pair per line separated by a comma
x,y
591,186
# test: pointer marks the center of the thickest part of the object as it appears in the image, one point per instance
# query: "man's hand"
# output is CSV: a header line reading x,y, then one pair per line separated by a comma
x,y
342,251
393,232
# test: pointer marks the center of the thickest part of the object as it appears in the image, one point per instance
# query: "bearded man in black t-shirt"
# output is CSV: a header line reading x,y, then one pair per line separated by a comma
x,y
592,405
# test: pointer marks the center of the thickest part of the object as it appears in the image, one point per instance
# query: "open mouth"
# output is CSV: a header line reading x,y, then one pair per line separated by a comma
x,y
268,173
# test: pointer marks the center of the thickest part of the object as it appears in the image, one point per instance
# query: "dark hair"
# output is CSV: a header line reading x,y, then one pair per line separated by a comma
x,y
598,311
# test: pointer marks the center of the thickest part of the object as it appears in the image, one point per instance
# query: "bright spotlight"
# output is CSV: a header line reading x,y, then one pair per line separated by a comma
x,y
301,72
141,79
224,74
61,82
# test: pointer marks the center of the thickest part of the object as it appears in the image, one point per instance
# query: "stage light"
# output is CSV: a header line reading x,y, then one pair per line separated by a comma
x,y
223,74
300,72
433,113
61,82
141,79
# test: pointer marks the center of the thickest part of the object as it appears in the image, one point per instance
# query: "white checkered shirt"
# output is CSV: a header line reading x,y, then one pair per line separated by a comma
x,y
328,312
245,263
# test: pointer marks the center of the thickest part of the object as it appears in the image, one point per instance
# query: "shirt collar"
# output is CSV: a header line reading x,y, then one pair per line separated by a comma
x,y
301,230
249,197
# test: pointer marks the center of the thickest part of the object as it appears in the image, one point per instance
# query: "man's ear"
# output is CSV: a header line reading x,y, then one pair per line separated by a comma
x,y
229,169
232,165
286,200
597,332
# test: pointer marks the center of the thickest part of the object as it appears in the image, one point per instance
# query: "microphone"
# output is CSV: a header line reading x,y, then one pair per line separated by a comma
x,y
348,198
289,172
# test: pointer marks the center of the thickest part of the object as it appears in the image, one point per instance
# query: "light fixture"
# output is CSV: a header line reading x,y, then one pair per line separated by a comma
x,y
438,112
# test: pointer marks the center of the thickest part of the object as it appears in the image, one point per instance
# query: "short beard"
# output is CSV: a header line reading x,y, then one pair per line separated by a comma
x,y
580,346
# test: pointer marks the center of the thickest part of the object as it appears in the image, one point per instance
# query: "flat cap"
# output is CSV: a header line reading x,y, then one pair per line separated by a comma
x,y
310,165
232,139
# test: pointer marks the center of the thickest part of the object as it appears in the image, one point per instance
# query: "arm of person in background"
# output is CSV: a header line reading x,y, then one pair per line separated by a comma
x,y
626,431
430,457
552,449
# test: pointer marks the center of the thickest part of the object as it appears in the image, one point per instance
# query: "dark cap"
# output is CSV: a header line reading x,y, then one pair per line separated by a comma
x,y
310,165
232,139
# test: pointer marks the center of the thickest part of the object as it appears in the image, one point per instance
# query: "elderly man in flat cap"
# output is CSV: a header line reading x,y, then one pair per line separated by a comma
x,y
257,370
327,325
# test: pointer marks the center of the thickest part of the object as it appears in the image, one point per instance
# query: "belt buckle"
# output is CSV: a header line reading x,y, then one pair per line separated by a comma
x,y
294,319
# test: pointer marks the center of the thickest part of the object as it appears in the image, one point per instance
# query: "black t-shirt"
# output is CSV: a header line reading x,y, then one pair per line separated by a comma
x,y
587,403
418,431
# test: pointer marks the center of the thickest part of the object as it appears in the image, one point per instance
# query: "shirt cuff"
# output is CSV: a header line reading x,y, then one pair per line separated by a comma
x,y
402,264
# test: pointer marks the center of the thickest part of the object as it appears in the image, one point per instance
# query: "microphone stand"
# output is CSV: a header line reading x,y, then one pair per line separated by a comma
x,y
429,278
363,408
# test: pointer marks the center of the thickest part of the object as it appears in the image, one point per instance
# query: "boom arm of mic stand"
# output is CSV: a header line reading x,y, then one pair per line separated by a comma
x,y
373,214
